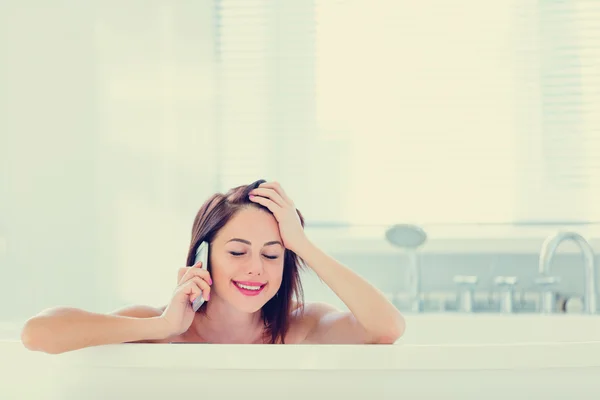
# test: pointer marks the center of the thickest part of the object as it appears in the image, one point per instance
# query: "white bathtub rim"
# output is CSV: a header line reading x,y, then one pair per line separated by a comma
x,y
505,356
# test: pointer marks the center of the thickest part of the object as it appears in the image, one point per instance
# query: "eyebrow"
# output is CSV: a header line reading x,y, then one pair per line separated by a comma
x,y
248,242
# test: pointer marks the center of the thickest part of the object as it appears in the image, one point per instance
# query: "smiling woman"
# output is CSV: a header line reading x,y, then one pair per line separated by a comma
x,y
251,285
256,281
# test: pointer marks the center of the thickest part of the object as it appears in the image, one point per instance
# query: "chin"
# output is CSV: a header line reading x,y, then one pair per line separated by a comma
x,y
249,300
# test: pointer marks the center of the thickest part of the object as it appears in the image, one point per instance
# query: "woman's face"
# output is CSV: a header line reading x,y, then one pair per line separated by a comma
x,y
246,259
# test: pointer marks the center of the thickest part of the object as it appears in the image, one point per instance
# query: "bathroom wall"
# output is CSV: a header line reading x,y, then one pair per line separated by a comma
x,y
103,153
105,286
97,100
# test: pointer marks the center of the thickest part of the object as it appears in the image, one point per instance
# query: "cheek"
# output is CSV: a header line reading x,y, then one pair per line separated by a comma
x,y
276,273
220,271
221,280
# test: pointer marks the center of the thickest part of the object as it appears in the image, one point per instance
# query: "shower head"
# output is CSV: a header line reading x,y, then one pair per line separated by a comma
x,y
406,236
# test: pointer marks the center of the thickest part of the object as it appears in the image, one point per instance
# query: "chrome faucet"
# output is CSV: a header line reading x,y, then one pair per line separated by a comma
x,y
547,255
507,285
466,292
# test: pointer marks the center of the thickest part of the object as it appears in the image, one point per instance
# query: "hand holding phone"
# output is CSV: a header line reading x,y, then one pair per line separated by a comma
x,y
193,288
201,256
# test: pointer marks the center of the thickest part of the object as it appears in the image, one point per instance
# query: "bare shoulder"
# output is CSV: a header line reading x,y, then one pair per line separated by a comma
x,y
308,312
323,323
142,311
305,317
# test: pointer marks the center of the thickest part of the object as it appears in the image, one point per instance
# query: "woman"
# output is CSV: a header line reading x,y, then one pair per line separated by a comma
x,y
251,287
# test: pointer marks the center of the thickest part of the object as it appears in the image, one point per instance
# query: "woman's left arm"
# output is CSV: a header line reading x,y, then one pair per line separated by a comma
x,y
372,318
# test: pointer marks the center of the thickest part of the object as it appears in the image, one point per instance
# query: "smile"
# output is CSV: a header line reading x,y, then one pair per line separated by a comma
x,y
249,288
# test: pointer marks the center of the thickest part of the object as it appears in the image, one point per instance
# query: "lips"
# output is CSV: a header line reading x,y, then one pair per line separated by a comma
x,y
248,288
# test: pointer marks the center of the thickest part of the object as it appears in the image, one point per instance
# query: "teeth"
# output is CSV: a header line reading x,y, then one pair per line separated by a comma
x,y
248,287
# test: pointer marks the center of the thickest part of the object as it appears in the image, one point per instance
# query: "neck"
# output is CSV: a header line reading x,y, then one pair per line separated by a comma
x,y
221,323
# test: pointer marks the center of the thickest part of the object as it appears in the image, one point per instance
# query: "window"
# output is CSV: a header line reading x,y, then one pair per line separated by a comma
x,y
559,125
266,96
425,112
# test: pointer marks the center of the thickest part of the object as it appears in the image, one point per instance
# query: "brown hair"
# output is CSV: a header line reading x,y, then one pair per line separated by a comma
x,y
212,216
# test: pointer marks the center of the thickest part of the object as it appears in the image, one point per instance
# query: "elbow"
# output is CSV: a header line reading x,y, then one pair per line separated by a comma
x,y
34,337
29,336
395,330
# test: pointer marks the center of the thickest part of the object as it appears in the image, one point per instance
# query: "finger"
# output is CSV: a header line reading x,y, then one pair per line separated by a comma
x,y
186,273
202,285
180,273
189,291
270,204
271,194
277,187
191,272
183,270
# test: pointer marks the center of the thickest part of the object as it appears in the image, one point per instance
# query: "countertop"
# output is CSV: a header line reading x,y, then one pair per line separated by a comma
x,y
453,238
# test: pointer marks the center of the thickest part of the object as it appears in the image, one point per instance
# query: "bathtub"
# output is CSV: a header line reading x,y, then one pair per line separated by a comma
x,y
440,357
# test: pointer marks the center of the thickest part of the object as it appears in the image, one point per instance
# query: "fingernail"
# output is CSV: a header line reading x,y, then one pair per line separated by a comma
x,y
251,196
207,296
210,281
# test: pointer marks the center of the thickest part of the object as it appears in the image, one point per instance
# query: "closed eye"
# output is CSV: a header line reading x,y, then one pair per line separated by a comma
x,y
233,253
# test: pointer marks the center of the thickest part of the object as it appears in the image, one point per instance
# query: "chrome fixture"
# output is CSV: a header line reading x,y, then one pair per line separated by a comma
x,y
410,238
466,288
507,286
547,255
548,294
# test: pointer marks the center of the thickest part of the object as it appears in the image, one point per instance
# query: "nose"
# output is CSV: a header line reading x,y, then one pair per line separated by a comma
x,y
254,267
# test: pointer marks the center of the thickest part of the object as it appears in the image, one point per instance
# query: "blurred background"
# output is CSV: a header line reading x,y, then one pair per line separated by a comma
x,y
476,121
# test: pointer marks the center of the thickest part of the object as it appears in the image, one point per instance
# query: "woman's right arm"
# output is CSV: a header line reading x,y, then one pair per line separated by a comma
x,y
63,329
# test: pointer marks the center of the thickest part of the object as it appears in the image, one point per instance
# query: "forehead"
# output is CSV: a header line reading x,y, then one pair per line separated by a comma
x,y
252,224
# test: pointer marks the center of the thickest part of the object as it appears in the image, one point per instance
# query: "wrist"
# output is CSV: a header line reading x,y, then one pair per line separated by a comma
x,y
301,247
157,328
304,249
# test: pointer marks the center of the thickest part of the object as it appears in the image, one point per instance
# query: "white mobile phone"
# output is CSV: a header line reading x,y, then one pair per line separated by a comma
x,y
201,256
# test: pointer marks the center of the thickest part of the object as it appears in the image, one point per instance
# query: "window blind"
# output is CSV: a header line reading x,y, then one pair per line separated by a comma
x,y
425,112
265,67
425,93
561,152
